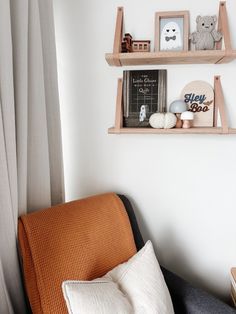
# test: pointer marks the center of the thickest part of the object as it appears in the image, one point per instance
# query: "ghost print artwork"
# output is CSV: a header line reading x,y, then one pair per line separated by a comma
x,y
171,37
172,31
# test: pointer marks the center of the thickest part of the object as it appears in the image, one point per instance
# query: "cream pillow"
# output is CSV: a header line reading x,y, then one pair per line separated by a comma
x,y
136,286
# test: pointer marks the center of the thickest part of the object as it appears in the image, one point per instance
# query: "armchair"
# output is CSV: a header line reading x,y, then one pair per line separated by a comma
x,y
83,240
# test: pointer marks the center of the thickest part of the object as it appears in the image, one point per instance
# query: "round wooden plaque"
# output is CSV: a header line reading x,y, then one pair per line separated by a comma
x,y
199,96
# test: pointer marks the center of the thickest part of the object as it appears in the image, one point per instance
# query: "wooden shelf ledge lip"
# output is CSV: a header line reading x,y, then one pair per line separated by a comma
x,y
183,57
212,130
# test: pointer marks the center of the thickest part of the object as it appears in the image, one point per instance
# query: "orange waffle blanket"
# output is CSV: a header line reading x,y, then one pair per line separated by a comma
x,y
80,240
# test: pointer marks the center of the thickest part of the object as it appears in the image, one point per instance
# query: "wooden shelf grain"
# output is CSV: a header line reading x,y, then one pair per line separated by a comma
x,y
165,58
171,131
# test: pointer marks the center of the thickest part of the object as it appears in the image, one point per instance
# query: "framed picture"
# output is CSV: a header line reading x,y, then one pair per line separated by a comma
x,y
172,31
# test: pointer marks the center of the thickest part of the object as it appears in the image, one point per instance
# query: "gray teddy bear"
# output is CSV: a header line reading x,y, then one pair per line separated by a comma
x,y
206,35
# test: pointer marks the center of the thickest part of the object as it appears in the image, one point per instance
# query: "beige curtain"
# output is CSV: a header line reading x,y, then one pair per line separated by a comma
x,y
31,174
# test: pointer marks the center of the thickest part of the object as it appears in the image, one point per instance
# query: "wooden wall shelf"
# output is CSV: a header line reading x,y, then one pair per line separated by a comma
x,y
185,57
157,58
216,56
219,108
170,131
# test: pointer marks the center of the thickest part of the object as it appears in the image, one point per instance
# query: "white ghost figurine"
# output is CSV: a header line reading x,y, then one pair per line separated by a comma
x,y
142,113
171,38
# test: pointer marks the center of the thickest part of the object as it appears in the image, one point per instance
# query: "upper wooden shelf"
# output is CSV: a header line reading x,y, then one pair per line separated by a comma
x,y
153,58
184,57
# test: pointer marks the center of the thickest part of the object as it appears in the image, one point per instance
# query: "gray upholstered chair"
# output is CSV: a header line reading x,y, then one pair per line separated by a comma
x,y
186,298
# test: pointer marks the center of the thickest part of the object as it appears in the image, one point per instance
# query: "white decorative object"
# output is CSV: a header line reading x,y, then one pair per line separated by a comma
x,y
199,97
136,286
187,117
143,113
163,120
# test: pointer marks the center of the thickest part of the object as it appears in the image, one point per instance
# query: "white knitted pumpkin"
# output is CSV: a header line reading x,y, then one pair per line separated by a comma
x,y
163,120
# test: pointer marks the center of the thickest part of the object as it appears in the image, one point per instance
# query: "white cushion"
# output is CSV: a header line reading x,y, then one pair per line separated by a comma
x,y
136,286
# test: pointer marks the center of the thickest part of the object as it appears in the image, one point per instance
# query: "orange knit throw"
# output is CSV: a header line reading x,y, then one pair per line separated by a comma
x,y
80,240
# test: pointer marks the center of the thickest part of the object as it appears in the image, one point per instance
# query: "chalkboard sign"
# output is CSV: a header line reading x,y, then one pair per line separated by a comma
x,y
144,93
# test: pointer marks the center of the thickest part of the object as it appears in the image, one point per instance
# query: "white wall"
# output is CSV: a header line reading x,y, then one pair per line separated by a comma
x,y
182,186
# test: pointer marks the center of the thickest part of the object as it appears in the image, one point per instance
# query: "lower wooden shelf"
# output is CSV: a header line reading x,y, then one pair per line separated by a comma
x,y
219,107
213,130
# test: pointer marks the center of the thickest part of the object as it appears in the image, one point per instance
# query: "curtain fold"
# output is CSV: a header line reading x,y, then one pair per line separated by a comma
x,y
51,97
4,297
31,167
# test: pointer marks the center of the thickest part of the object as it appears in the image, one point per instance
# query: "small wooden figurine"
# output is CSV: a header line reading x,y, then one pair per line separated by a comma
x,y
126,45
130,45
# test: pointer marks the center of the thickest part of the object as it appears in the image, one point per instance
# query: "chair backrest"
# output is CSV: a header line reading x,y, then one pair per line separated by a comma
x,y
80,240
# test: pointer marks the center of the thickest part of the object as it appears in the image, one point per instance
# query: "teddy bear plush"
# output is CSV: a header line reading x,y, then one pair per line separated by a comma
x,y
206,35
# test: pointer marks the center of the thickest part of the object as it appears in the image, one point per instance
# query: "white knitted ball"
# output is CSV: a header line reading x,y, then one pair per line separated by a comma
x,y
170,120
163,120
